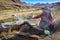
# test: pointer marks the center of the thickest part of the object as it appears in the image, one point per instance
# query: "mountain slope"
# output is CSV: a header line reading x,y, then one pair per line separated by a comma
x,y
8,4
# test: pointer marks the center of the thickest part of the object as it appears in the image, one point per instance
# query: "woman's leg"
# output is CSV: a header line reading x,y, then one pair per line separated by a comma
x,y
51,27
25,26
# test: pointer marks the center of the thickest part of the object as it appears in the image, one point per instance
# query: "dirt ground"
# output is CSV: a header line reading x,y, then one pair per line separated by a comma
x,y
35,35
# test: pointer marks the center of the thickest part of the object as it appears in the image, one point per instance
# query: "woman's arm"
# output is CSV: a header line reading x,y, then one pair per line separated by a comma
x,y
38,16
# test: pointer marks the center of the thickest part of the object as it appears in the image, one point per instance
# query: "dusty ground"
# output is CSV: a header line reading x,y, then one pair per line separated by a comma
x,y
32,34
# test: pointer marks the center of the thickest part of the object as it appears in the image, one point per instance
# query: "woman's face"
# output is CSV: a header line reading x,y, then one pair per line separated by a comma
x,y
47,11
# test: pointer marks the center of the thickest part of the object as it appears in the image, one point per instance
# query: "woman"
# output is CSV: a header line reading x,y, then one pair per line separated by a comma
x,y
46,19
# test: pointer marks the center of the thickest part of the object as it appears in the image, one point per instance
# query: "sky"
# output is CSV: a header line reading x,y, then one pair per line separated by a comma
x,y
40,1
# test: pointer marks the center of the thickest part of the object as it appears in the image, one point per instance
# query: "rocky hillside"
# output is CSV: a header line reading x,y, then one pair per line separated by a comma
x,y
9,4
10,7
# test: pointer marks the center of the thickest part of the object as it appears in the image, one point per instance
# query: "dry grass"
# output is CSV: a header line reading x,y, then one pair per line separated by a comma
x,y
25,13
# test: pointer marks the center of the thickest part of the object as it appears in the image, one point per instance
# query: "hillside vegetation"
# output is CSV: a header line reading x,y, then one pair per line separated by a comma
x,y
56,12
